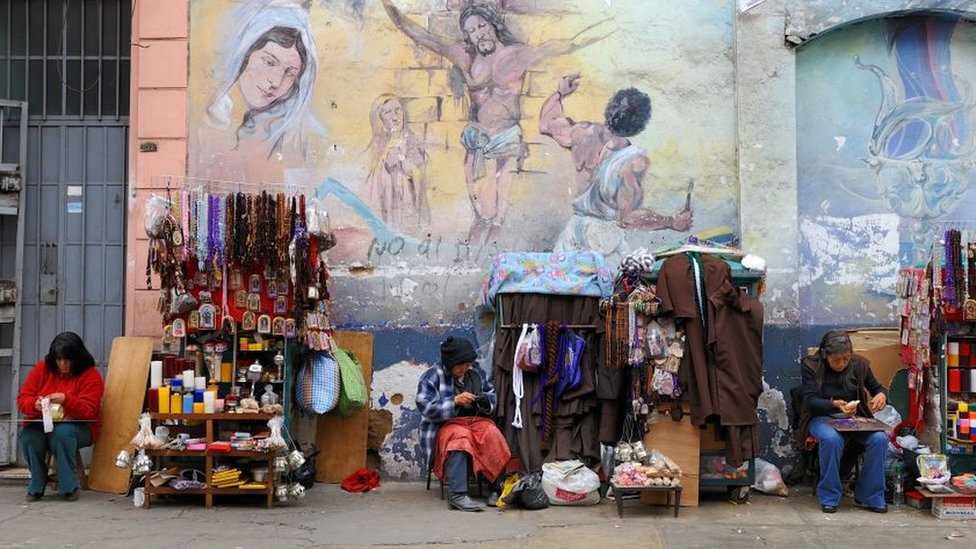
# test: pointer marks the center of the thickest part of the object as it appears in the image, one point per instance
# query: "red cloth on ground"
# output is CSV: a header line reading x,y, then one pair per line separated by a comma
x,y
480,438
82,394
362,480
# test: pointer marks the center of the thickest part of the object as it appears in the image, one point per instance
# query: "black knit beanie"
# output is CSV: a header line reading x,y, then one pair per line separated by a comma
x,y
836,341
456,351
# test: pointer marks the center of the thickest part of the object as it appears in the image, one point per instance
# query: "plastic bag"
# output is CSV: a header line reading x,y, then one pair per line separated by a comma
x,y
276,441
888,415
145,437
769,480
507,486
528,493
570,483
158,210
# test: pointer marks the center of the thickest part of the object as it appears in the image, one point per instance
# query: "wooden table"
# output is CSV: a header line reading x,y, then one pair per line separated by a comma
x,y
619,491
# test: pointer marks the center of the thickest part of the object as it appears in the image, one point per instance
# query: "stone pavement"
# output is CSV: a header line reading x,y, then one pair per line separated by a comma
x,y
405,515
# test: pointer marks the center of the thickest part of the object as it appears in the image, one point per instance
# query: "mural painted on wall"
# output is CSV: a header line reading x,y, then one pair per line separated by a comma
x,y
438,133
886,152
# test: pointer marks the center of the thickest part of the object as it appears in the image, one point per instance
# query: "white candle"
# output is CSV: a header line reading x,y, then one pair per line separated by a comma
x,y
972,380
188,380
156,374
953,348
208,402
200,382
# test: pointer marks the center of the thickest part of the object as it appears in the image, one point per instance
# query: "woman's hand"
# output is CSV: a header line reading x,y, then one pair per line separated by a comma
x,y
464,399
878,402
56,398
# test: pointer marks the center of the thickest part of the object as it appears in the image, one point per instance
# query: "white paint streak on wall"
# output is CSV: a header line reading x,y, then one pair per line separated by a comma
x,y
852,251
841,141
771,402
400,378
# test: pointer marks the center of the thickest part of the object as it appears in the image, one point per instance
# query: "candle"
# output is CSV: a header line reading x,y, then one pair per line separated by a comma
x,y
226,371
972,380
188,403
198,408
964,386
208,402
963,407
153,399
955,380
964,428
175,403
952,354
200,382
219,405
156,374
189,379
169,366
176,386
164,399
198,395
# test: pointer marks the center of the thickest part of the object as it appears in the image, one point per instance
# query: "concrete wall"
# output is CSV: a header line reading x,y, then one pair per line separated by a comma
x,y
726,107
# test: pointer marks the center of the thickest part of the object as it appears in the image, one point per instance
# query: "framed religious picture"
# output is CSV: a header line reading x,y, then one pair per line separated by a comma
x,y
312,340
249,322
254,284
254,302
240,299
268,272
291,327
278,326
236,279
264,324
281,305
208,317
193,321
325,341
200,279
272,288
283,286
969,311
229,326
179,328
176,237
205,297
312,321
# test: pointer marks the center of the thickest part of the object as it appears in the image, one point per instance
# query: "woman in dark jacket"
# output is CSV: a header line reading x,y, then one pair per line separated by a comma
x,y
837,381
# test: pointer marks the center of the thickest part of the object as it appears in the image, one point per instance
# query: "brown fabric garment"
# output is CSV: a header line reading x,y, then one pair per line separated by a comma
x,y
721,371
576,424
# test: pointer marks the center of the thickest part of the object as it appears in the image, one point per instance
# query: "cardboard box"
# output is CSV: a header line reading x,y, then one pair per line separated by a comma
x,y
954,508
882,347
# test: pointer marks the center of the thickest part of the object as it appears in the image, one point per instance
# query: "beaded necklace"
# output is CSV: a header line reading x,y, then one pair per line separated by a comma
x,y
203,248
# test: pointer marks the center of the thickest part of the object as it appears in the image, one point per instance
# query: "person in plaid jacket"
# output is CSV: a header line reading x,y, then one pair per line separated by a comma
x,y
455,400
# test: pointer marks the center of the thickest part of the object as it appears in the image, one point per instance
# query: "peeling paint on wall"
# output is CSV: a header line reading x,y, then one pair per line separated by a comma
x,y
773,413
399,452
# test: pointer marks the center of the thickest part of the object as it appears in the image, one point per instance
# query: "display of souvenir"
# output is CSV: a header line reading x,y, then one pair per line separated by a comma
x,y
969,310
254,302
291,327
240,299
281,305
208,317
249,321
236,280
179,328
264,324
312,321
200,279
254,284
228,325
205,297
193,321
272,288
277,326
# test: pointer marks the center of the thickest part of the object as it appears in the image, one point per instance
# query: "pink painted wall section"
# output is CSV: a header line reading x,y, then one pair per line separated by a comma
x,y
158,116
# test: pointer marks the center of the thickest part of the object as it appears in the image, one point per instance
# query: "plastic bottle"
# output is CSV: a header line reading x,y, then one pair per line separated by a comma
x,y
898,492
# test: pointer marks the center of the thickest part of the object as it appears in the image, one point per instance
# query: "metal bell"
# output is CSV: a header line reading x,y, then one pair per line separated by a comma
x,y
295,459
640,454
281,493
123,460
624,452
296,490
142,464
281,464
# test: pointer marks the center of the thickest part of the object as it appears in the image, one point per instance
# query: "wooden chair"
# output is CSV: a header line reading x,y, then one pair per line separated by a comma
x,y
52,470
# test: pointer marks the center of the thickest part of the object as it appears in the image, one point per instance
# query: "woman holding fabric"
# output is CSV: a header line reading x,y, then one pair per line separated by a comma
x,y
68,384
837,382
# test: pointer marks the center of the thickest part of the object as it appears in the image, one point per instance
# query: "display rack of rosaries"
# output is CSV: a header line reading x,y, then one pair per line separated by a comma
x,y
242,290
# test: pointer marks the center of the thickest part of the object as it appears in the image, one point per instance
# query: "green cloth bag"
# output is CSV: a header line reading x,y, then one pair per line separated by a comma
x,y
353,395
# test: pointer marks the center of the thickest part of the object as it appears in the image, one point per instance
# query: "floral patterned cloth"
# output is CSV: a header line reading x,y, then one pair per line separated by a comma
x,y
571,273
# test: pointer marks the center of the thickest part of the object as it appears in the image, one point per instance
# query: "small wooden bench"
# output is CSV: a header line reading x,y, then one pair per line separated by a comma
x,y
620,491
52,470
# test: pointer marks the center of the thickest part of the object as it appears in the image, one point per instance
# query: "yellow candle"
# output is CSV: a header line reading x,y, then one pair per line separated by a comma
x,y
164,399
963,407
226,371
197,407
175,403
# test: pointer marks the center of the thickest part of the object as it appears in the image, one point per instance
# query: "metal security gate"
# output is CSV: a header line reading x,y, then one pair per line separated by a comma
x,y
69,59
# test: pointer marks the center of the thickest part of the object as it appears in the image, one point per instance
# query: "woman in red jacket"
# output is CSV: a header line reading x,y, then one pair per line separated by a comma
x,y
68,377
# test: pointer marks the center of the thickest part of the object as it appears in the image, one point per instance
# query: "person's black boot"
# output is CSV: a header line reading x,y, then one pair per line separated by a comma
x,y
462,502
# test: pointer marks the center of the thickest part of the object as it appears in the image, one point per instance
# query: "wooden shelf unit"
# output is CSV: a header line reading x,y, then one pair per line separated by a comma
x,y
208,459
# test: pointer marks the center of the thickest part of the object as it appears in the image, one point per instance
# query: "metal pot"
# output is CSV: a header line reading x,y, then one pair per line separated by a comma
x,y
123,460
295,459
142,464
281,492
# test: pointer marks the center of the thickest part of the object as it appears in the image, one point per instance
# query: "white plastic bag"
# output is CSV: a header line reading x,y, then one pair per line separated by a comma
x,y
888,415
570,483
769,480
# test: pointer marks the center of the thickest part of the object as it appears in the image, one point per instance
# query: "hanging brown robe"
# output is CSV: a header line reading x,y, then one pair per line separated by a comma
x,y
721,371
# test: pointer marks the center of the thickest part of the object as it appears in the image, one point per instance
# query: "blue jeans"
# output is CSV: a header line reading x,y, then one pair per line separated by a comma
x,y
63,442
870,489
